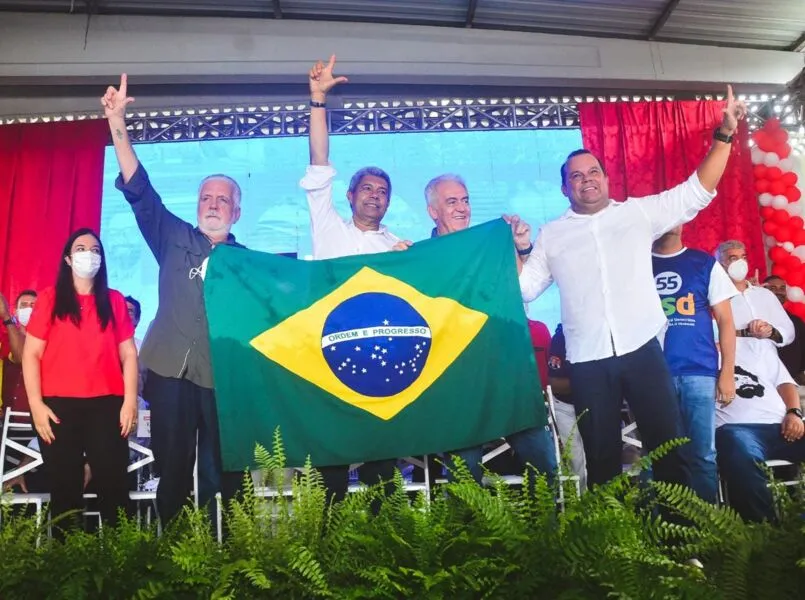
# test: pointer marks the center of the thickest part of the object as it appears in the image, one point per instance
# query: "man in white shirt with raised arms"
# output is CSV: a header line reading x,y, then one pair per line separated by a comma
x,y
599,254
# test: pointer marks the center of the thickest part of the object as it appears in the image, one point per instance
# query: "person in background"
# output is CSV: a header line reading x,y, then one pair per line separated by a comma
x,y
691,284
763,423
135,312
448,203
80,370
176,349
792,355
598,253
12,339
559,380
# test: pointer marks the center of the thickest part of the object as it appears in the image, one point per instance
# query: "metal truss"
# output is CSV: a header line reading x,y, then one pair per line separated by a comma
x,y
401,116
354,117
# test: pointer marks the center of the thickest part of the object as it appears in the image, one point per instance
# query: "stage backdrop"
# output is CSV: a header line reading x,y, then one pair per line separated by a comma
x,y
506,172
647,147
51,176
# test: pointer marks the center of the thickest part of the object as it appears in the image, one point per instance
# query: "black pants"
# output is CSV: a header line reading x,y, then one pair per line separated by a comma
x,y
180,411
91,427
336,479
641,378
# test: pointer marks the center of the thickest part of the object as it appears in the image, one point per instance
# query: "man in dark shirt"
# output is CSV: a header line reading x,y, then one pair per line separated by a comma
x,y
792,355
176,351
565,412
12,338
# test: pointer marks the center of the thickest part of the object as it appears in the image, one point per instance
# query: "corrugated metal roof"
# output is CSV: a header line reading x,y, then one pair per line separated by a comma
x,y
751,23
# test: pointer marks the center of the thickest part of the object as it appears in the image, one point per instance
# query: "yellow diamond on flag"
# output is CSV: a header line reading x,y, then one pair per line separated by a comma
x,y
373,342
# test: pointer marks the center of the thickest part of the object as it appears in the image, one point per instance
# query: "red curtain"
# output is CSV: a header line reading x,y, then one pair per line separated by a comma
x,y
51,181
647,147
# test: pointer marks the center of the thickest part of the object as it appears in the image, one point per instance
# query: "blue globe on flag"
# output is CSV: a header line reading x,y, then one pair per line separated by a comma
x,y
376,344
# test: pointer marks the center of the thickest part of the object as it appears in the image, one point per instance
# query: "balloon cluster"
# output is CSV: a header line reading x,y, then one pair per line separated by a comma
x,y
781,210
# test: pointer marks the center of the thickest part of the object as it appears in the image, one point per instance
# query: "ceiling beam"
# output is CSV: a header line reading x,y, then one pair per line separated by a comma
x,y
277,9
670,6
799,45
471,8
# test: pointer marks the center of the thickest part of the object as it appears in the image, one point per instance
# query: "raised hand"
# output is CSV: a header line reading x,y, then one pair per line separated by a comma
x,y
322,80
734,111
115,101
521,231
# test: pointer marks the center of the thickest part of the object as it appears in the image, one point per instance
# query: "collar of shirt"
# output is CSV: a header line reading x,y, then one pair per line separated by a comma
x,y
381,230
672,255
572,214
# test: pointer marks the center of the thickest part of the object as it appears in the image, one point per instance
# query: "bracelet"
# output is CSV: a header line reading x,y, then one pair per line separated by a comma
x,y
314,104
525,251
794,411
9,321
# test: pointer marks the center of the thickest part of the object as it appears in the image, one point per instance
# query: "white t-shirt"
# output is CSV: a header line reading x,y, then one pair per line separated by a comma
x,y
758,372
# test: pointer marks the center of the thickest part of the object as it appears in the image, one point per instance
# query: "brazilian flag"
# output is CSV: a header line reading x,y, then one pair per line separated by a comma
x,y
370,357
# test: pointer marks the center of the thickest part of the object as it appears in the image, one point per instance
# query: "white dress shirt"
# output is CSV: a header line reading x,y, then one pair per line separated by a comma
x,y
602,265
332,236
759,303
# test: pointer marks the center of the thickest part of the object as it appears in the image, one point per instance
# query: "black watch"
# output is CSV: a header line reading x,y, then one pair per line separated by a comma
x,y
525,251
9,321
794,411
727,139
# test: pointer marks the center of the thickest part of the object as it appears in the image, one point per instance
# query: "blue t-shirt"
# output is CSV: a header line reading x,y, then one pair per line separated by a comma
x,y
683,283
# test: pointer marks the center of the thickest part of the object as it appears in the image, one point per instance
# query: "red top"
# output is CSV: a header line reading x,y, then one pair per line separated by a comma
x,y
541,340
81,362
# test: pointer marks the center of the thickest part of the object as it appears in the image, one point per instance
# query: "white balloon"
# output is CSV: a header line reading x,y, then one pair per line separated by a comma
x,y
794,208
765,199
771,159
779,202
769,241
757,156
799,252
789,247
795,294
787,164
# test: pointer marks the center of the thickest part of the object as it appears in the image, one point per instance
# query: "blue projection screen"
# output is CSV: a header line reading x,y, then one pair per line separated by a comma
x,y
506,172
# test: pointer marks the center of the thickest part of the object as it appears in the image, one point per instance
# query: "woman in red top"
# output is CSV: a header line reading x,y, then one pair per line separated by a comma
x,y
80,369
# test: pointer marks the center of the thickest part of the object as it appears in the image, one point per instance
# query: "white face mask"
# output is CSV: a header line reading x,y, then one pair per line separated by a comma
x,y
24,315
738,269
86,264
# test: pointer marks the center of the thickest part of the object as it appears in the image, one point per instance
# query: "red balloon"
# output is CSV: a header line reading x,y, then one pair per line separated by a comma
x,y
779,270
796,222
783,150
773,173
796,278
767,212
783,234
780,136
772,124
777,254
792,263
789,179
776,188
781,216
770,228
760,171
798,308
799,237
793,194
761,186
764,141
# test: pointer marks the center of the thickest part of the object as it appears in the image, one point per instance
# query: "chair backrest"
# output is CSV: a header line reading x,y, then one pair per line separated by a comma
x,y
14,424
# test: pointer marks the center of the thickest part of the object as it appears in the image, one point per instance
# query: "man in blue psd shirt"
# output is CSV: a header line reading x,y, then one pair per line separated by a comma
x,y
694,289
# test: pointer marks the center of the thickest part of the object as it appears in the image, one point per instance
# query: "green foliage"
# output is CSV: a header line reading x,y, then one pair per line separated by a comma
x,y
467,542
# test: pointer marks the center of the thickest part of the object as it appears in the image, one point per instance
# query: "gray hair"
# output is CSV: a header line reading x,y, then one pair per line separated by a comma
x,y
723,247
430,189
375,172
229,180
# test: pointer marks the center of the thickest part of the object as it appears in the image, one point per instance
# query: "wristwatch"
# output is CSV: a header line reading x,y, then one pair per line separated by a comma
x,y
525,251
794,411
727,139
9,321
